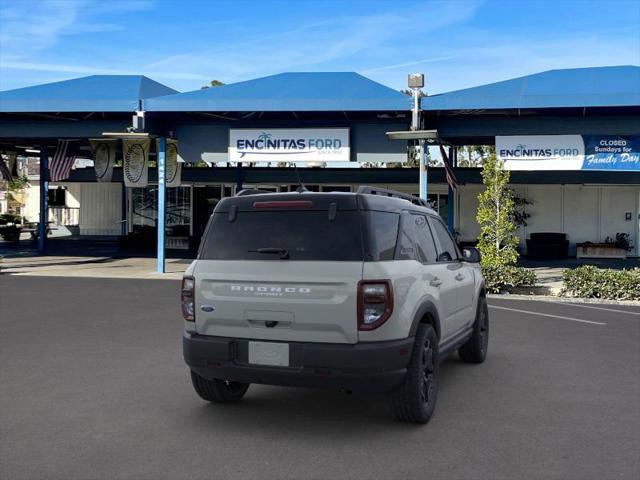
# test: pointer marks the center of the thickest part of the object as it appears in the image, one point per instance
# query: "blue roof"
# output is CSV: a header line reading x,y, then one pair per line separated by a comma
x,y
96,93
576,87
288,92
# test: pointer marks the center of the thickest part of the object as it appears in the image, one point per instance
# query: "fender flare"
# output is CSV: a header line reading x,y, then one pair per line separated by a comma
x,y
482,291
429,308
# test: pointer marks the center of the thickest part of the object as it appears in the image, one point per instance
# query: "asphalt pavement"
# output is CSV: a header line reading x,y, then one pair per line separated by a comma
x,y
93,386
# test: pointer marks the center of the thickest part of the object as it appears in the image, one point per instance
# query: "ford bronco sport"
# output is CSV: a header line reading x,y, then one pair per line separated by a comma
x,y
361,291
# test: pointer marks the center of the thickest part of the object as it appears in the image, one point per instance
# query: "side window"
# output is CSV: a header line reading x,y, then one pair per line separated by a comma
x,y
405,249
447,250
383,233
425,246
416,242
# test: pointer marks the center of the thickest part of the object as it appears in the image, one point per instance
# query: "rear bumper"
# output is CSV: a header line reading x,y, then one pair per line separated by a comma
x,y
370,367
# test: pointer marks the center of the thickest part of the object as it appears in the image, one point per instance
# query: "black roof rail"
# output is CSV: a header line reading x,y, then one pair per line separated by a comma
x,y
250,191
366,189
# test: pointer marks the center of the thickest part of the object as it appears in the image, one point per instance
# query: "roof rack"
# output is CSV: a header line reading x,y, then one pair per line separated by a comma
x,y
250,191
366,189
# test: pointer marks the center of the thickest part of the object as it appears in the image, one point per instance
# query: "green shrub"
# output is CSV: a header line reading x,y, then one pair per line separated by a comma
x,y
501,277
592,282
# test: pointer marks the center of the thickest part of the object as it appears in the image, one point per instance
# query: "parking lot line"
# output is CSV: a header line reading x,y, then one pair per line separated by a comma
x,y
628,312
547,315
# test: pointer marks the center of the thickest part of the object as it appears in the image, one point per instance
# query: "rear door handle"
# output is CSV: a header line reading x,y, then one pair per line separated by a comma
x,y
436,282
459,277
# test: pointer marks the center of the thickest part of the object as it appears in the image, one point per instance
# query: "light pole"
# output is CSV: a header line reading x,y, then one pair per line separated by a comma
x,y
416,83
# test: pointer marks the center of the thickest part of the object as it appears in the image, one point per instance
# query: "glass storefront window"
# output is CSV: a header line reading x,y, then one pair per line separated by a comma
x,y
439,202
144,208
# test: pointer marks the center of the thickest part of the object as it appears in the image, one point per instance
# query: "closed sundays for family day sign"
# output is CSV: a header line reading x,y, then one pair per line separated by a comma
x,y
289,145
569,152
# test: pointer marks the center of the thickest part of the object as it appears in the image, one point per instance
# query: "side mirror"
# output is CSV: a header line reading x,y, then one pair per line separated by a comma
x,y
444,257
471,255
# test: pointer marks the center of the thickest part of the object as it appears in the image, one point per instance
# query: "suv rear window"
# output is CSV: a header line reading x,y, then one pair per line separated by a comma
x,y
304,235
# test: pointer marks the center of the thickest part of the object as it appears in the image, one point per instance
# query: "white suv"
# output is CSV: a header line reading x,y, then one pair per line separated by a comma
x,y
358,291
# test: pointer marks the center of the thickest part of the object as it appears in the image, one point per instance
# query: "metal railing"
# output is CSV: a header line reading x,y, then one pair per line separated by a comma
x,y
64,215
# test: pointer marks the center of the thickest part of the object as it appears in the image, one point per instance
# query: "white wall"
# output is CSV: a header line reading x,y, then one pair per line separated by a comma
x,y
581,217
31,208
100,208
73,195
583,212
615,202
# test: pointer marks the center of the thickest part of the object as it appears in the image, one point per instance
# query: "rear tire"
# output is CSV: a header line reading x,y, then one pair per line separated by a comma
x,y
218,391
475,349
415,400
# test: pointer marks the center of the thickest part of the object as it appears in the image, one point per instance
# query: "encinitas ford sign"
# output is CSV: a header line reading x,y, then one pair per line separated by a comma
x,y
289,145
541,152
569,152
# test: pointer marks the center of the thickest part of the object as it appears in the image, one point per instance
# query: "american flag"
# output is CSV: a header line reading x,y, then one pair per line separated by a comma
x,y
5,172
62,161
448,169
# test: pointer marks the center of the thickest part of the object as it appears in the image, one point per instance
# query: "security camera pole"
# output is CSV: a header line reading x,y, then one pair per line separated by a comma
x,y
416,83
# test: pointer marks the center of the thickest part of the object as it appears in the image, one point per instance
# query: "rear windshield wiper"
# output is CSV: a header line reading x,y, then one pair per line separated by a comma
x,y
283,252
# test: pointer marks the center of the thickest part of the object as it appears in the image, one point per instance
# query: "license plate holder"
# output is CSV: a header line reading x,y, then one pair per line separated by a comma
x,y
273,354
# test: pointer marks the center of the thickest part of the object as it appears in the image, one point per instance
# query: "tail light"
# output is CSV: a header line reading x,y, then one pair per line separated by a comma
x,y
187,297
375,303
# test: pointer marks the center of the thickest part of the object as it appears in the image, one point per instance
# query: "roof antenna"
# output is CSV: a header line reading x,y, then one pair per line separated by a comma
x,y
301,188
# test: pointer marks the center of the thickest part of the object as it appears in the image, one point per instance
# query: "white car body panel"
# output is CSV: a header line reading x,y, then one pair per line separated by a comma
x,y
310,301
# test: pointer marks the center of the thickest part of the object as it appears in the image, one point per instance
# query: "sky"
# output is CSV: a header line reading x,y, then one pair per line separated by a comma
x,y
185,44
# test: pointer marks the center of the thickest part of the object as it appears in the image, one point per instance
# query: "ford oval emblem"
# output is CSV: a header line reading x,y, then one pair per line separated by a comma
x,y
207,308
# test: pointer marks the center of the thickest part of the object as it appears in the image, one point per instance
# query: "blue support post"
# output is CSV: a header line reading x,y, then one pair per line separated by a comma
x,y
44,200
424,158
453,157
162,190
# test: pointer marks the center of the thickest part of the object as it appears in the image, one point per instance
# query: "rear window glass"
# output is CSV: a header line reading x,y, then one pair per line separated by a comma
x,y
304,235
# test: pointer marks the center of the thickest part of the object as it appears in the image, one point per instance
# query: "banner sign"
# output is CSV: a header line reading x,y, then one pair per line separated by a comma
x,y
610,152
136,162
569,152
173,166
289,145
541,152
104,157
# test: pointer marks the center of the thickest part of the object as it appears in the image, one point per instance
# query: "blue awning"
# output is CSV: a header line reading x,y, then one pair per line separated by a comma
x,y
288,92
96,93
570,88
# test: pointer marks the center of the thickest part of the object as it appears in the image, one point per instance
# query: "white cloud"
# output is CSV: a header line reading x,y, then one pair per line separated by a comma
x,y
348,40
408,64
30,27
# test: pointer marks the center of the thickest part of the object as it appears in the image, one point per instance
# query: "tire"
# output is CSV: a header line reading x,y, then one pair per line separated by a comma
x,y
218,391
475,349
415,400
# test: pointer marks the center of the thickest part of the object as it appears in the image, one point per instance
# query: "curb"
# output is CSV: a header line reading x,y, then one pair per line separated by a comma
x,y
555,299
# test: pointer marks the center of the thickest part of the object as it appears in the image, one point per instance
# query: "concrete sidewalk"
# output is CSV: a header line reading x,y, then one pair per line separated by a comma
x,y
549,276
94,267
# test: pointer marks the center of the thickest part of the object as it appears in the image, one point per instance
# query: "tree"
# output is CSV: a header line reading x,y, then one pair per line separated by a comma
x,y
474,155
497,242
16,189
213,83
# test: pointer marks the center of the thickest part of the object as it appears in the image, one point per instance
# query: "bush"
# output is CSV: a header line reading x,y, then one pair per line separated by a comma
x,y
501,277
592,282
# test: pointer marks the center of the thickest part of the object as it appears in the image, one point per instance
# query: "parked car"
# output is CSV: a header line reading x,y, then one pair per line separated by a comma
x,y
358,291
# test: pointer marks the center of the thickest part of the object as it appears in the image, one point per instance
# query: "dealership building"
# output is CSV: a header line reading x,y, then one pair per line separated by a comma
x,y
571,139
